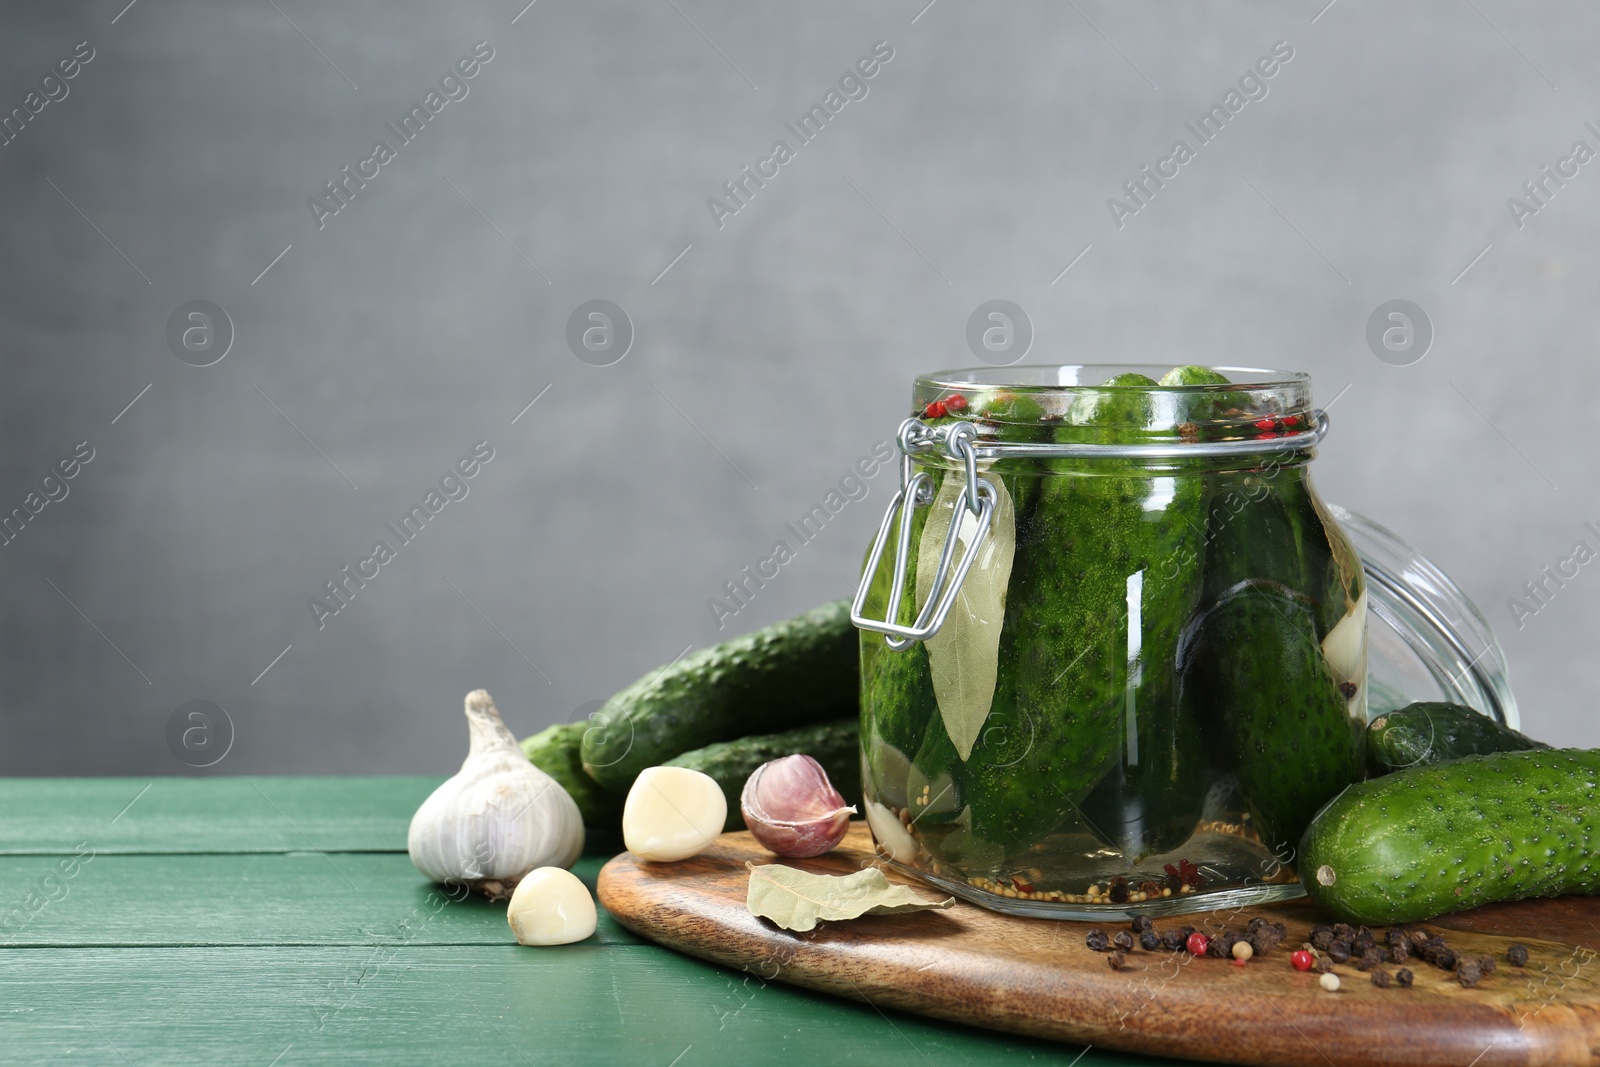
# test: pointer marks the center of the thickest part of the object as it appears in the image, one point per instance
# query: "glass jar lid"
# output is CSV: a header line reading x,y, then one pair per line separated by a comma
x,y
1426,640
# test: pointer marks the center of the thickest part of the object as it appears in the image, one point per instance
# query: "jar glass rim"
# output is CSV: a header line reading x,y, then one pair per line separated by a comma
x,y
1058,377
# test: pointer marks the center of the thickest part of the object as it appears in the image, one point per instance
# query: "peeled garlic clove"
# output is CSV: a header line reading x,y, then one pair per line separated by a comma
x,y
551,907
792,809
894,840
498,818
672,813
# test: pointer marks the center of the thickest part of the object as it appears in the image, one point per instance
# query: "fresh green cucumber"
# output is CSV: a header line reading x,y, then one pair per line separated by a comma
x,y
1066,686
1152,805
1201,407
1432,732
1275,713
1267,523
1451,836
555,751
836,745
1016,418
794,673
1280,576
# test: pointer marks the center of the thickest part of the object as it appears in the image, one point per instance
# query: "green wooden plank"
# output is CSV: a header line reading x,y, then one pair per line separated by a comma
x,y
132,815
303,898
408,1004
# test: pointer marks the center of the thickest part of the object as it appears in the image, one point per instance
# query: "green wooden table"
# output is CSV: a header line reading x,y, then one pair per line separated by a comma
x,y
279,921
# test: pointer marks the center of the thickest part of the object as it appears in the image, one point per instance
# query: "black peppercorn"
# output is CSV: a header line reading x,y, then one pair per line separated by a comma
x,y
1486,964
1149,940
1117,961
1517,955
1343,932
1140,924
1400,950
1468,973
1255,924
1339,952
1380,978
1444,959
1119,891
1402,978
1123,941
1321,938
1322,965
1172,940
1097,940
1221,945
1369,960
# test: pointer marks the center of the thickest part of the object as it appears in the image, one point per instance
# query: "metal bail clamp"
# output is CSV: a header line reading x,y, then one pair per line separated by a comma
x,y
916,490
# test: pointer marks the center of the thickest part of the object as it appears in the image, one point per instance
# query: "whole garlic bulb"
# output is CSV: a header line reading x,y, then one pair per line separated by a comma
x,y
498,818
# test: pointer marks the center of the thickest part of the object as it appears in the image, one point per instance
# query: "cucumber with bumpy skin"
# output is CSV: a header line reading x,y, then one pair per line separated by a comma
x,y
1451,836
1078,715
835,745
797,672
1432,732
1277,717
555,751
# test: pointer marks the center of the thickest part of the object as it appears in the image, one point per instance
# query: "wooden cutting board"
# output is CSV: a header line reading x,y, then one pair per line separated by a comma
x,y
1036,976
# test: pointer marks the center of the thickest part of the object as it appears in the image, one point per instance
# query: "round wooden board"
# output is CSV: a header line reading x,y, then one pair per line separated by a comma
x,y
1036,976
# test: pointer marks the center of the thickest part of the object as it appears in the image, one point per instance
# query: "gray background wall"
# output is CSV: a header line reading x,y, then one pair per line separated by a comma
x,y
423,318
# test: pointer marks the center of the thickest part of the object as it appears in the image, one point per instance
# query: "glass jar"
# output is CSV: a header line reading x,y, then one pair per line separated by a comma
x,y
1114,646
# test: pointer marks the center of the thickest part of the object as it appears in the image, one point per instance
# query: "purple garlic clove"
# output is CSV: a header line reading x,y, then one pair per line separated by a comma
x,y
792,809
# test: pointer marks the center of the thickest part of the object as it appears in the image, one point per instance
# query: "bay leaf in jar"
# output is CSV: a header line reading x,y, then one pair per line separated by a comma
x,y
963,656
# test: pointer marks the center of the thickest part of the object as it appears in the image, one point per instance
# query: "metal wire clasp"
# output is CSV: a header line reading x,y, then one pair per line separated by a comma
x,y
916,490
